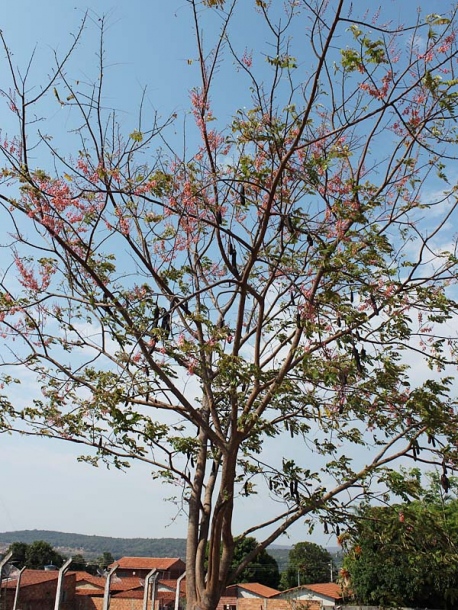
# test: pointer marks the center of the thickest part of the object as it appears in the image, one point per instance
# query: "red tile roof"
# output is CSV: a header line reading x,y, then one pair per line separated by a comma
x,y
136,594
329,589
163,596
167,595
82,577
149,563
172,584
126,584
258,589
116,584
31,577
90,592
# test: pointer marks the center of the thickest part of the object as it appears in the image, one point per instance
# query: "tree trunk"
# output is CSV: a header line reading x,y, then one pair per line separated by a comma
x,y
210,542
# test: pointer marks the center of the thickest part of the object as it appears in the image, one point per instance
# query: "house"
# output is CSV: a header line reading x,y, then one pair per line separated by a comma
x,y
251,596
87,582
126,593
89,591
83,591
255,589
166,567
328,594
170,586
37,590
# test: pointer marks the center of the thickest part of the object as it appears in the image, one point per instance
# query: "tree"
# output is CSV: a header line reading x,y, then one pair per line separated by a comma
x,y
276,279
406,554
19,550
308,563
35,555
104,560
78,562
264,569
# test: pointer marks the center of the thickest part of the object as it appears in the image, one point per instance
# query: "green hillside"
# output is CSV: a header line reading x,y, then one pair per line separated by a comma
x,y
93,546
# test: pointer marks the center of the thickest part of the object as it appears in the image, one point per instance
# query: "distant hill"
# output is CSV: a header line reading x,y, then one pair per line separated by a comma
x,y
92,546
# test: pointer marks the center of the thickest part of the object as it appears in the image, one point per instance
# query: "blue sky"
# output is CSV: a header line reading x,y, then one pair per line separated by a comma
x,y
148,44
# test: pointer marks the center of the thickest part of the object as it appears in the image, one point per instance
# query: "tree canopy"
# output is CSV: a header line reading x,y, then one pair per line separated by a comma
x,y
406,554
263,569
35,556
308,563
266,306
79,562
104,560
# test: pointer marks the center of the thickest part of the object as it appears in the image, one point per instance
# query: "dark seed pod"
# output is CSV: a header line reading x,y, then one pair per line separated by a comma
x,y
374,304
445,482
166,324
242,195
289,223
156,314
357,360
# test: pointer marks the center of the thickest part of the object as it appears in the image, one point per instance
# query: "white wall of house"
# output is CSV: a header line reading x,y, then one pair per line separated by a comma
x,y
244,593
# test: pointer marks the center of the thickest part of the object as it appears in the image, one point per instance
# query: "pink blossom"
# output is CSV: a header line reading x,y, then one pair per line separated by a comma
x,y
247,59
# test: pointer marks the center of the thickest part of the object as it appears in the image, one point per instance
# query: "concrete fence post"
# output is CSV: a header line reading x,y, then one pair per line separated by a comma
x,y
18,588
106,593
177,593
3,562
148,578
60,580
